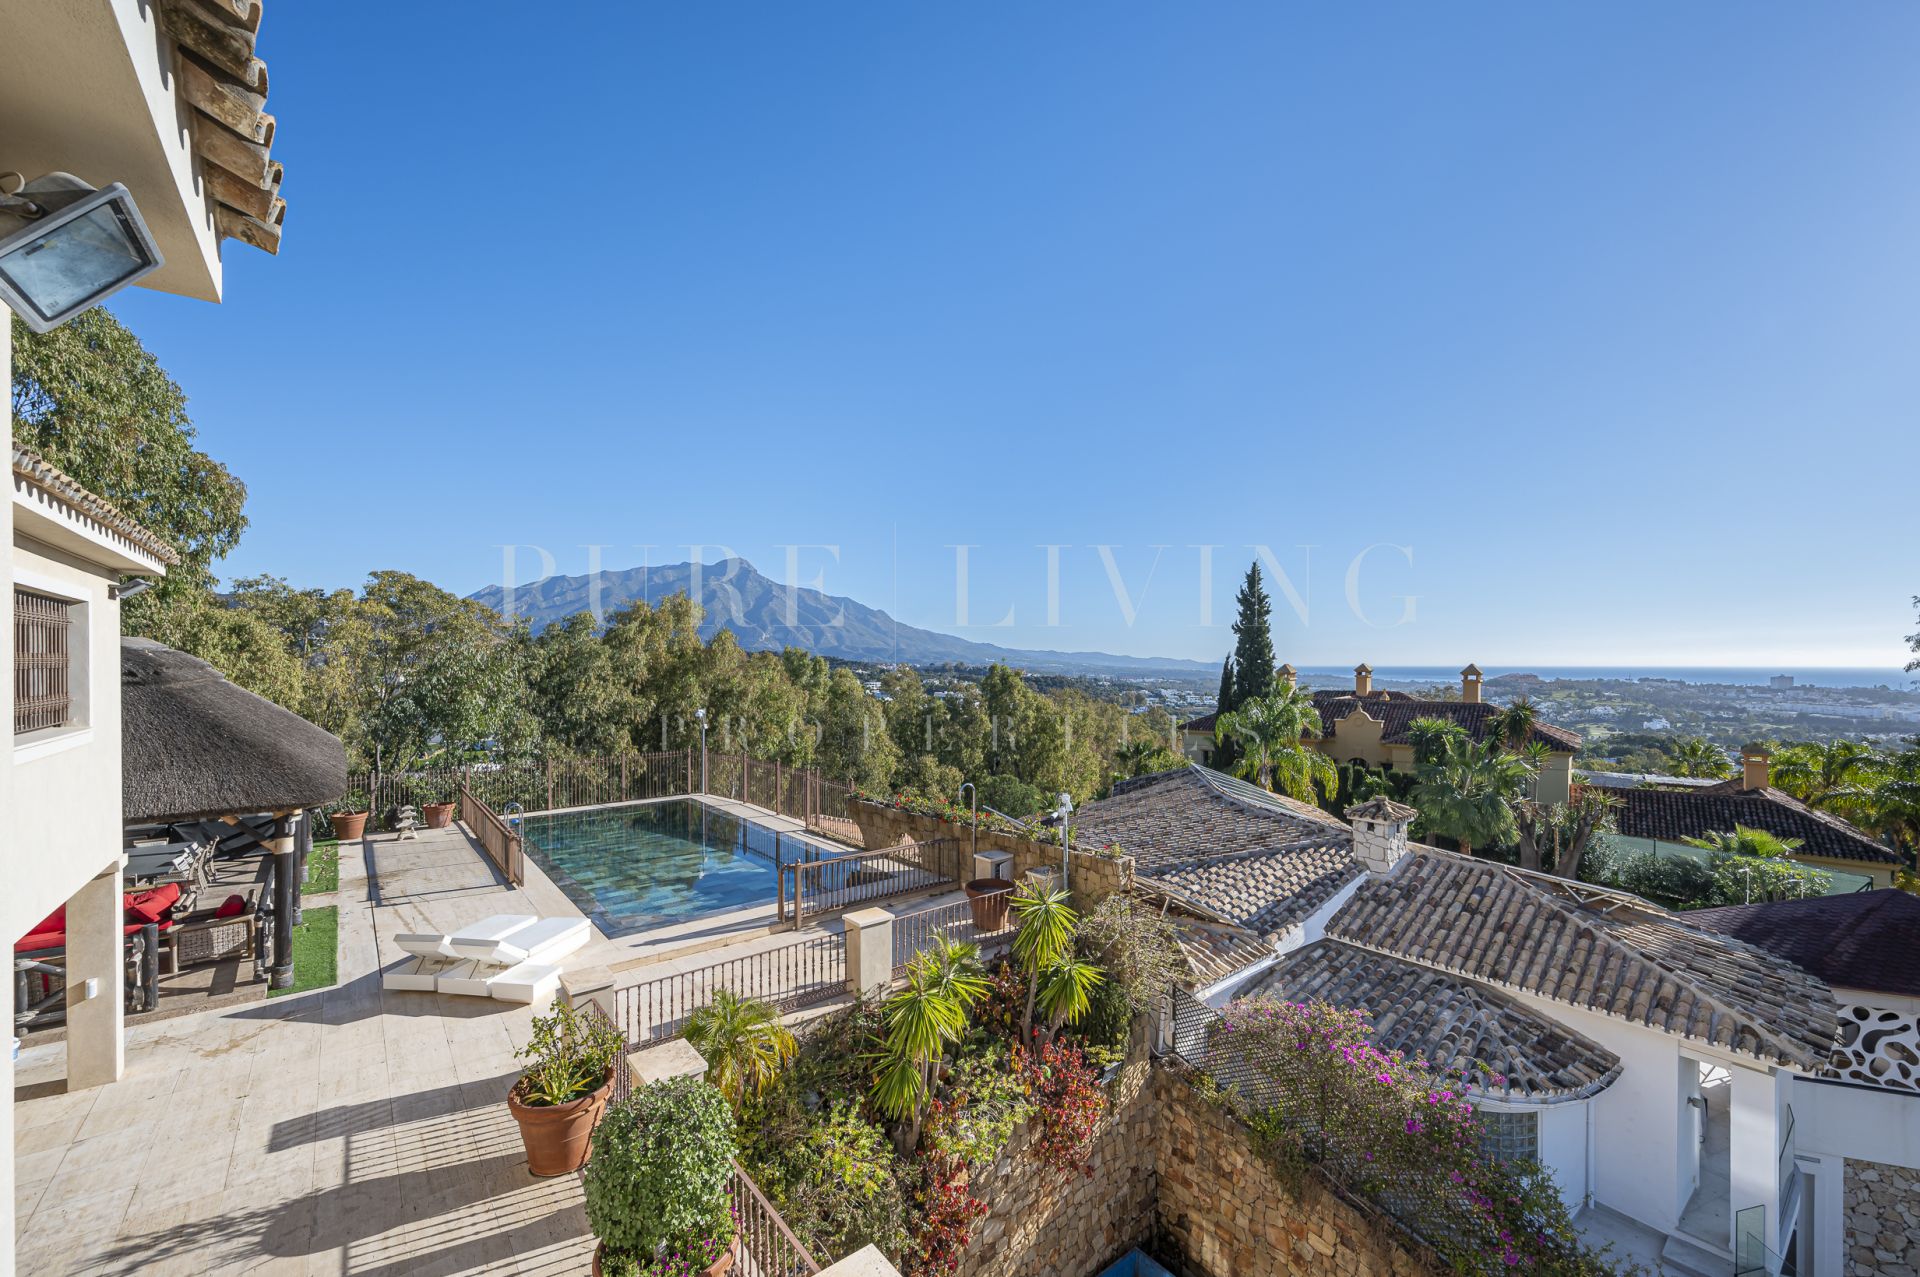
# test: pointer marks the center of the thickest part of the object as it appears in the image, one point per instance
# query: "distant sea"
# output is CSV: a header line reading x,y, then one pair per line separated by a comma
x,y
1803,676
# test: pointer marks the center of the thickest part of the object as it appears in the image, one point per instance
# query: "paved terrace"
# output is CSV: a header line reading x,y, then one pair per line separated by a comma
x,y
347,1130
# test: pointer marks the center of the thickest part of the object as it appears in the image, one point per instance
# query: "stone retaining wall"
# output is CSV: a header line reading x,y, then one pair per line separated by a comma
x,y
1044,1224
1175,1174
1883,1220
1092,878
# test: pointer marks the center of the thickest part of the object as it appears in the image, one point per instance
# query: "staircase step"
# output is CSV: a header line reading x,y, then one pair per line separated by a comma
x,y
1695,1258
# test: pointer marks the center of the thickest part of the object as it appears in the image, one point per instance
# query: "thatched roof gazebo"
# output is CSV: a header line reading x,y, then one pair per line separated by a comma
x,y
197,746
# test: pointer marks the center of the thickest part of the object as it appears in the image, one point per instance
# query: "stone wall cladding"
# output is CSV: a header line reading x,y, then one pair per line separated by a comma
x,y
1222,1213
1041,1223
1882,1219
1175,1174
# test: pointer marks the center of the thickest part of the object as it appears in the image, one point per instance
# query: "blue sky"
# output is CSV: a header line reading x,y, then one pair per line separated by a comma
x,y
1607,313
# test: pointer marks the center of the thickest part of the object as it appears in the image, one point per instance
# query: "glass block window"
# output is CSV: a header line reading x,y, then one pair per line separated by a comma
x,y
1509,1137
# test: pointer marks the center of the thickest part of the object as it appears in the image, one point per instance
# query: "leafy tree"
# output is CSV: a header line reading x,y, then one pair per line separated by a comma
x,y
742,1041
1468,795
1011,796
1268,731
1554,837
96,403
1700,757
1253,641
1913,641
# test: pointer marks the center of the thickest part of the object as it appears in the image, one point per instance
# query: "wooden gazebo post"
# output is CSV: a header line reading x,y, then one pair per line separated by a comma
x,y
281,844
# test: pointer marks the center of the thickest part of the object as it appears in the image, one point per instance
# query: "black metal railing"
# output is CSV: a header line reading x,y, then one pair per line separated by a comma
x,y
813,887
793,976
915,932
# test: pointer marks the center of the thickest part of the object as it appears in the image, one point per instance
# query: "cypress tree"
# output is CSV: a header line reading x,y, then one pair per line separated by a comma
x,y
1253,641
1224,701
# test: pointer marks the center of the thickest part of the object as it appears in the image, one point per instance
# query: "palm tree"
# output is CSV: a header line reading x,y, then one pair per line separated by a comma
x,y
1698,756
1430,738
1045,934
1832,775
743,1043
1468,794
1267,733
1066,991
1744,841
921,1019
1514,724
1893,809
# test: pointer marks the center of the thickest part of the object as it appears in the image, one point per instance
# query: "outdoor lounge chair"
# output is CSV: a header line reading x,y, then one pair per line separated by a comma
x,y
512,957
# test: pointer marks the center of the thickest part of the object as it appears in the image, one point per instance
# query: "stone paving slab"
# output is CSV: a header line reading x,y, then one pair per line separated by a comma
x,y
344,1131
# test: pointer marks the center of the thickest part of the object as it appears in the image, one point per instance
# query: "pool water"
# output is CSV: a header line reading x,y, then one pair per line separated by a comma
x,y
648,865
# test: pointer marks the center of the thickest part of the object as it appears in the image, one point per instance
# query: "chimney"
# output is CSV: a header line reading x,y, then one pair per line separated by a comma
x,y
1290,676
1380,832
1363,679
1470,684
1756,767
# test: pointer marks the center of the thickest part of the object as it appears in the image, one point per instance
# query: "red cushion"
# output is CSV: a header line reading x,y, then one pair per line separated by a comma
x,y
152,906
55,921
58,939
232,907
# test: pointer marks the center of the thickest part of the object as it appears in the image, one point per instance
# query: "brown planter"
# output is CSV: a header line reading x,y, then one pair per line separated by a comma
x,y
988,898
438,815
558,1137
718,1268
348,826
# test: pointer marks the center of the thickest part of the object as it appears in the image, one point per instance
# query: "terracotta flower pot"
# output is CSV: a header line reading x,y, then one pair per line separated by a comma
x,y
718,1268
349,826
438,814
988,898
558,1137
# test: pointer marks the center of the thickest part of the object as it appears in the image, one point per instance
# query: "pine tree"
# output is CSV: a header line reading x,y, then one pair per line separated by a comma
x,y
1253,641
1224,702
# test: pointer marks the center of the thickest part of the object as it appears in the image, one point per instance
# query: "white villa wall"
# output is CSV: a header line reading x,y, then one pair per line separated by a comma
x,y
64,825
9,854
1565,1139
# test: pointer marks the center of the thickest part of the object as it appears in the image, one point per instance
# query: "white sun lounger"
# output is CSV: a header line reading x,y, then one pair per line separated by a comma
x,y
512,957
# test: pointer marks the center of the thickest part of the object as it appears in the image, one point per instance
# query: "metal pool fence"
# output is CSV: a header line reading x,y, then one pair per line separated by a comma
x,y
801,974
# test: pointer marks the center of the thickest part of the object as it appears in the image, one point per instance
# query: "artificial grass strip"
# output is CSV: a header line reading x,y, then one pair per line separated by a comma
x,y
316,950
323,868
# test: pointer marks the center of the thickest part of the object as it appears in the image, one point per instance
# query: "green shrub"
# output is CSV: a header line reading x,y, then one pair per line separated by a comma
x,y
833,1177
656,1185
1012,796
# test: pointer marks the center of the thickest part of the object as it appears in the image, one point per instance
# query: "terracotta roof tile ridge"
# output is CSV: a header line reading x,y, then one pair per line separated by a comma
x,y
37,470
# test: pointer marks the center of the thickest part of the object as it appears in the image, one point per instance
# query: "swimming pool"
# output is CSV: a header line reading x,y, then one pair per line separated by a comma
x,y
650,864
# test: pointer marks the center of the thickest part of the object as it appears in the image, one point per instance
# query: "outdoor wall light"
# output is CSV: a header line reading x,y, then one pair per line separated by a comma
x,y
65,247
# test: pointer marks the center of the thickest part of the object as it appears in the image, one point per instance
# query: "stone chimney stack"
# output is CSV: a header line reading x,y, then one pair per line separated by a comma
x,y
1290,676
1363,679
1756,767
1380,832
1470,684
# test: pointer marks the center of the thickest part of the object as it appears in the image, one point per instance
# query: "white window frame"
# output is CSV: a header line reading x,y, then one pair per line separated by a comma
x,y
78,729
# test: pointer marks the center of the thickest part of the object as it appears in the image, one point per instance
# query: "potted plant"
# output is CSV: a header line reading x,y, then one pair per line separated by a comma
x,y
439,814
988,899
657,1185
350,823
563,1090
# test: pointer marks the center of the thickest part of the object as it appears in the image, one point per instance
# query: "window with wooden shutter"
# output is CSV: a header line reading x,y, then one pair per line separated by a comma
x,y
42,662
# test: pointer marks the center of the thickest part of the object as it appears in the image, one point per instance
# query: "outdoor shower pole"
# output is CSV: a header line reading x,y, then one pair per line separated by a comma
x,y
964,787
701,716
